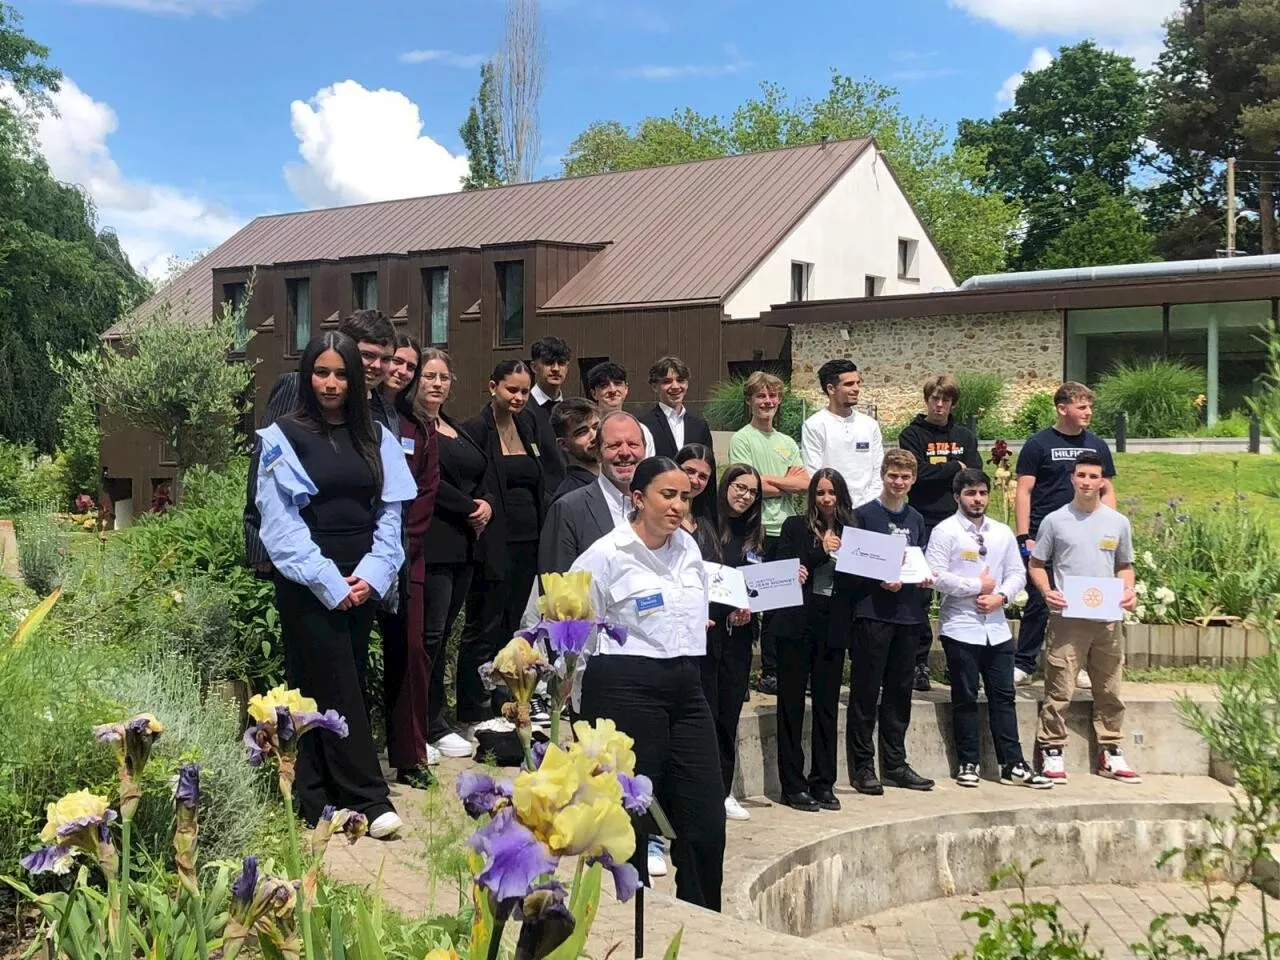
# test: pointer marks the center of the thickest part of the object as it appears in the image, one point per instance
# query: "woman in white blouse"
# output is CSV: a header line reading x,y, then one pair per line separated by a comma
x,y
648,577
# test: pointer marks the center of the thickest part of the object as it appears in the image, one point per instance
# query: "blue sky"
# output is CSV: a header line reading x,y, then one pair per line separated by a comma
x,y
187,118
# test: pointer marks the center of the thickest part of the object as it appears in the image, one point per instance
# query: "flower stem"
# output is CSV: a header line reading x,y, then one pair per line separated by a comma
x,y
197,907
495,941
126,849
295,873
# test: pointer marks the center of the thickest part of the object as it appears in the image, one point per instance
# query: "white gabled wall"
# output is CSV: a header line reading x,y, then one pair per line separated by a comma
x,y
851,233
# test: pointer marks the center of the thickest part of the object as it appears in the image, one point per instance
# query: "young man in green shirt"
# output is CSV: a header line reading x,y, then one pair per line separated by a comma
x,y
776,458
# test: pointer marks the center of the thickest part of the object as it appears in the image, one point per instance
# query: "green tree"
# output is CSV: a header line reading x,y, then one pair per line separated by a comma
x,y
972,230
1217,95
1069,142
480,136
1114,231
23,62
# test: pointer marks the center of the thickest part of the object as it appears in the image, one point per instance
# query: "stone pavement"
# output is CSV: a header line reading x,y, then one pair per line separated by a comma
x,y
1117,916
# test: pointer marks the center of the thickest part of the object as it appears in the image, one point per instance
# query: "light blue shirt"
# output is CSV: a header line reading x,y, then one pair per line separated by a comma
x,y
284,489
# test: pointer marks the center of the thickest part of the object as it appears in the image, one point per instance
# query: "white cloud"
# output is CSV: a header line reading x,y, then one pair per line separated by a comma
x,y
1104,18
1040,58
184,8
152,220
734,63
922,73
448,58
361,145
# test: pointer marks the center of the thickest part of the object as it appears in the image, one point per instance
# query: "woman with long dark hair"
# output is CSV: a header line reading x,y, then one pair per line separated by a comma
x,y
806,655
330,489
648,577
508,552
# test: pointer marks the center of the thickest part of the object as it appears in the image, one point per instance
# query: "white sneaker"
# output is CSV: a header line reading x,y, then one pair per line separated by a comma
x,y
1082,680
1112,764
452,745
1020,677
433,756
1053,765
734,810
657,865
387,826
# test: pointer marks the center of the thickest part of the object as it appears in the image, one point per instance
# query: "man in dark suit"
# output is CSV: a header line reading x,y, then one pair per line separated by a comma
x,y
576,422
673,424
549,360
580,518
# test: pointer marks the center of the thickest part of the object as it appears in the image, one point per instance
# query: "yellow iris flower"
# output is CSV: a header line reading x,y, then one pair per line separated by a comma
x,y
262,706
539,795
81,805
566,596
600,826
518,664
606,746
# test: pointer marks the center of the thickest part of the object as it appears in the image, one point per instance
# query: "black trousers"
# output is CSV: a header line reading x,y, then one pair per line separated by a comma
x,y
768,642
926,601
966,662
323,651
444,590
1035,620
660,704
882,663
493,610
803,660
726,674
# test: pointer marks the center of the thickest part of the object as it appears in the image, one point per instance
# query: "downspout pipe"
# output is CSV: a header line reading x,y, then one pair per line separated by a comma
x,y
1124,271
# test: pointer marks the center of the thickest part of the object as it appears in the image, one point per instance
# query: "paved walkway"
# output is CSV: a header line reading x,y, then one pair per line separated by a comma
x,y
1117,916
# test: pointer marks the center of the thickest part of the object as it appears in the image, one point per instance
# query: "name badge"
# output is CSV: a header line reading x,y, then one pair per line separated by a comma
x,y
862,445
971,555
648,604
753,557
271,457
534,448
407,444
1108,543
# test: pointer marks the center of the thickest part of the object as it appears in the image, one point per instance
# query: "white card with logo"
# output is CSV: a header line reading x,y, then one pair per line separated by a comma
x,y
1093,598
877,556
773,586
727,586
914,568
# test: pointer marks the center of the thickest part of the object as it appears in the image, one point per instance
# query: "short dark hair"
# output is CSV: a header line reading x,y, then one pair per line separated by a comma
x,y
970,477
571,413
408,340
605,373
1089,458
665,365
550,350
369,326
648,469
829,373
943,385
509,368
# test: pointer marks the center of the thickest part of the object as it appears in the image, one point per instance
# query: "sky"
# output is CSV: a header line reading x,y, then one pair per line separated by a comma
x,y
185,119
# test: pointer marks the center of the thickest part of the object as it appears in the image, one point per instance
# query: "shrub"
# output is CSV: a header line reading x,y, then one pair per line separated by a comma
x,y
980,395
726,410
42,551
1158,396
1234,425
1036,413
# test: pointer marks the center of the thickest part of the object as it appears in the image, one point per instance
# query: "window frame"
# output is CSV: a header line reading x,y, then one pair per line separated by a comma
x,y
358,279
429,304
234,295
908,267
292,347
501,269
806,280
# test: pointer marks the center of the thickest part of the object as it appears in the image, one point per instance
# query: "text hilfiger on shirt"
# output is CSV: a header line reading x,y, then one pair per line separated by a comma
x,y
1066,453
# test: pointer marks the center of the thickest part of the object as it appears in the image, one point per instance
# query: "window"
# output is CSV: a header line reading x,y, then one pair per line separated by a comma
x,y
908,269
510,302
435,285
234,297
364,291
299,294
800,273
873,286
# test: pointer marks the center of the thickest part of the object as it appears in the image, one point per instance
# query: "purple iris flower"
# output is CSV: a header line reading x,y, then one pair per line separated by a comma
x,y
615,632
72,827
188,792
481,793
514,857
257,743
539,750
284,725
626,880
568,637
56,859
330,720
243,886
637,792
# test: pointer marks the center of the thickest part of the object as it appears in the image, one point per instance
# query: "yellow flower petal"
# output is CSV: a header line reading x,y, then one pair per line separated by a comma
x,y
593,828
74,806
605,746
262,706
566,596
539,795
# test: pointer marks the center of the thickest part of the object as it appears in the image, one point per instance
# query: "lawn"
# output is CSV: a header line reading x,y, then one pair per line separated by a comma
x,y
1202,479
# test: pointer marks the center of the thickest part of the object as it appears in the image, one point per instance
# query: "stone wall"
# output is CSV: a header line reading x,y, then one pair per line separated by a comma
x,y
897,356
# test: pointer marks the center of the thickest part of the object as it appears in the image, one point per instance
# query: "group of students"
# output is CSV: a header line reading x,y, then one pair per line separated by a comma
x,y
367,500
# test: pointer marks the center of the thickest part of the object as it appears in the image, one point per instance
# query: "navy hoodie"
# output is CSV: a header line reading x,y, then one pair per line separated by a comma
x,y
941,452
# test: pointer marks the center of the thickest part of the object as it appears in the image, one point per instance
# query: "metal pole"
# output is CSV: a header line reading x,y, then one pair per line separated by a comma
x,y
1231,206
972,423
1255,434
640,922
1121,432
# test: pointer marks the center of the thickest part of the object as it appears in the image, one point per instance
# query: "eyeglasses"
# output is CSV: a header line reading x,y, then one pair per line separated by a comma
x,y
742,490
982,546
434,377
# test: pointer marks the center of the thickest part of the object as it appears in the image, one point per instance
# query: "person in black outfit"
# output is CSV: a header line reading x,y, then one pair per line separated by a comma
x,y
549,365
508,552
575,423
942,449
884,640
806,653
673,425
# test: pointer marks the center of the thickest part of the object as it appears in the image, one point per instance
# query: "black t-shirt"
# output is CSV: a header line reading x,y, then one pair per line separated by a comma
x,y
870,600
1050,457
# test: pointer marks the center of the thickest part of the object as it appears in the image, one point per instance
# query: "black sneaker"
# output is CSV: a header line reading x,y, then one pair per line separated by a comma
x,y
768,684
866,781
801,801
417,777
539,709
826,798
967,776
907,778
922,682
1021,774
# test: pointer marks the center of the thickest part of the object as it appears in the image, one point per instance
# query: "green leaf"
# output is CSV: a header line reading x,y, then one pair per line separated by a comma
x,y
367,934
584,903
338,947
673,948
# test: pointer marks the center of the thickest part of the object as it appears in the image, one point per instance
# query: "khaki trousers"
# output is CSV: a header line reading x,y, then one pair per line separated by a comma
x,y
1073,644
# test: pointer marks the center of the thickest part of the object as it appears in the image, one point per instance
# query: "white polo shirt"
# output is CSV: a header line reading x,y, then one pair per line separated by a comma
x,y
956,556
852,446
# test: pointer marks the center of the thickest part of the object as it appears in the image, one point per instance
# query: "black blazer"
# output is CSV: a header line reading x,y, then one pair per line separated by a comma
x,y
796,541
553,463
491,549
695,431
450,539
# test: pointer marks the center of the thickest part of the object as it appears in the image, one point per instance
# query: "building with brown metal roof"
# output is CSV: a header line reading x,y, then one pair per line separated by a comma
x,y
625,266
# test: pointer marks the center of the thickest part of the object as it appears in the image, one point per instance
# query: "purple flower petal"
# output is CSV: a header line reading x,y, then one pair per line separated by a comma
x,y
615,632
626,879
486,677
285,725
243,886
72,827
637,792
539,750
514,857
480,793
330,720
112,733
568,636
540,902
257,744
188,792
328,812
56,859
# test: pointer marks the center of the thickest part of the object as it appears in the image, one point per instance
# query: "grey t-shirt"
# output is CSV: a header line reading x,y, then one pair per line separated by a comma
x,y
1079,544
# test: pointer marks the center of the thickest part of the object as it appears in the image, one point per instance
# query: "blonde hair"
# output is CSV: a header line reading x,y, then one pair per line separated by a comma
x,y
1070,392
897,457
759,382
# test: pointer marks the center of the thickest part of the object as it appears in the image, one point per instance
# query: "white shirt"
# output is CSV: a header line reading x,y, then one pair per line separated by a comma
x,y
675,419
850,445
649,449
540,397
955,557
618,506
660,596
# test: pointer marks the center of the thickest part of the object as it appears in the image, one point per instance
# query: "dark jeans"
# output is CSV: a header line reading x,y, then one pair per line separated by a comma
x,y
322,658
660,704
768,642
1035,618
726,673
444,590
966,662
493,609
881,667
801,660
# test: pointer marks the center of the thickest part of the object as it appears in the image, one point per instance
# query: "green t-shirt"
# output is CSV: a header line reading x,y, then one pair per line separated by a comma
x,y
772,454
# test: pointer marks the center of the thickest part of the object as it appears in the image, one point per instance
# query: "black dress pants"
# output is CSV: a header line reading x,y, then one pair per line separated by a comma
x,y
966,662
1035,621
768,642
321,659
926,601
881,667
726,674
444,590
660,704
802,660
494,609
